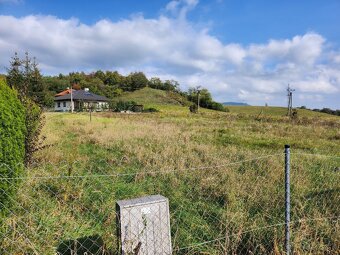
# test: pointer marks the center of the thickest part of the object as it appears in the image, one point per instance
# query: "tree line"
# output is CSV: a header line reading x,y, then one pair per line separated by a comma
x,y
25,76
324,110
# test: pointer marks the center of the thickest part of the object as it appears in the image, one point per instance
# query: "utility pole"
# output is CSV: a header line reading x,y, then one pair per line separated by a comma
x,y
290,100
71,100
198,98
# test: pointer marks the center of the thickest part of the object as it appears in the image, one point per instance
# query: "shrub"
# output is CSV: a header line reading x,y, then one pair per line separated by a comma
x,y
12,142
34,122
124,106
217,106
193,108
151,109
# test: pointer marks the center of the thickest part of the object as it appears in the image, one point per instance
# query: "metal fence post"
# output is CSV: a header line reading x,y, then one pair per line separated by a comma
x,y
287,198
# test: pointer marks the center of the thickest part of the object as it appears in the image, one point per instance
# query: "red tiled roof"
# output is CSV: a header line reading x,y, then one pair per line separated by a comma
x,y
65,92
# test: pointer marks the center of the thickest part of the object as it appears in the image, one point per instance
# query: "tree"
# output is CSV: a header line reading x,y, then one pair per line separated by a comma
x,y
155,83
100,74
137,80
205,99
37,90
15,77
171,85
113,78
12,143
24,76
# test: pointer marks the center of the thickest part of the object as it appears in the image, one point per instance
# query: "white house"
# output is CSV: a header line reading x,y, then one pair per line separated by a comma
x,y
79,100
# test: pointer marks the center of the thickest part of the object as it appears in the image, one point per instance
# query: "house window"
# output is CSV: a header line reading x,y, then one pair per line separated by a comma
x,y
64,104
58,104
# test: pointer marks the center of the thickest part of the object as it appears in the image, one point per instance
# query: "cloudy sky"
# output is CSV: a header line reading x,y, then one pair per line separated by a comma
x,y
244,51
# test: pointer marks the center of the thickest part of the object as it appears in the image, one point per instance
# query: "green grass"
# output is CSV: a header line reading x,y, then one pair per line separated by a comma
x,y
273,111
153,97
158,153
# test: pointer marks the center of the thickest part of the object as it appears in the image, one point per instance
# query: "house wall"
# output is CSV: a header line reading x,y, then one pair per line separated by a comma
x,y
62,106
101,105
67,107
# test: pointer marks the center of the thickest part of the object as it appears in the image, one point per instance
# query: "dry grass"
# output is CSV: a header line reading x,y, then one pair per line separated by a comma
x,y
236,204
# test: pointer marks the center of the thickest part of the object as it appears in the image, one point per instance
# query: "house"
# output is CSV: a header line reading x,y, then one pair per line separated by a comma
x,y
80,100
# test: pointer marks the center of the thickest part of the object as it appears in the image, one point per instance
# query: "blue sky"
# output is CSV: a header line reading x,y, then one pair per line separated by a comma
x,y
240,50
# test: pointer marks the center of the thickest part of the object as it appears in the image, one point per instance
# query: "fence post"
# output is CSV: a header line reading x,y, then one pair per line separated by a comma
x,y
287,199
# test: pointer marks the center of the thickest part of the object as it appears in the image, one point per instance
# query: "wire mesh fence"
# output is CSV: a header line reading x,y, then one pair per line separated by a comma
x,y
223,208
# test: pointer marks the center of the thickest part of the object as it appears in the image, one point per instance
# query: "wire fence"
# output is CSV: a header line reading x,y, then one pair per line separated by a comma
x,y
223,208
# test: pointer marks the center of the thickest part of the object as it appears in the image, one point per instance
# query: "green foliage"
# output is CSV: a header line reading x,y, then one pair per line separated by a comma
x,y
12,142
328,111
168,85
205,99
136,80
217,106
323,110
151,109
24,76
193,108
34,122
154,97
124,106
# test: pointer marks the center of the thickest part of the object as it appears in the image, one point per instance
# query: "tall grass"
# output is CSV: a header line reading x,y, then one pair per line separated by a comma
x,y
217,206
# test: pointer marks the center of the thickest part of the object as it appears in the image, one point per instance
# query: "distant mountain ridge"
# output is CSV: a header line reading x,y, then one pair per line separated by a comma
x,y
235,103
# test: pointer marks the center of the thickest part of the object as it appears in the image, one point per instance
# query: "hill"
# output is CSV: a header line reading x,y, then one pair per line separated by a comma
x,y
154,97
235,103
170,101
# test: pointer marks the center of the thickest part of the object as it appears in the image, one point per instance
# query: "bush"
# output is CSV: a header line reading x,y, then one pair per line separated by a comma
x,y
12,143
34,122
123,106
217,106
193,108
151,109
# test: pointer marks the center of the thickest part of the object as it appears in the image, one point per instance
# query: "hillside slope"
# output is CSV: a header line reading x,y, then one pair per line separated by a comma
x,y
170,101
149,97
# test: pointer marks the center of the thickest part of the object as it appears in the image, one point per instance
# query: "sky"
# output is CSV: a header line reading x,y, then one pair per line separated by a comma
x,y
241,50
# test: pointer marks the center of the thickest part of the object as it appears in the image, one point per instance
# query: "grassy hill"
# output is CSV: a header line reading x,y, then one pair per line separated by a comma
x,y
153,97
171,102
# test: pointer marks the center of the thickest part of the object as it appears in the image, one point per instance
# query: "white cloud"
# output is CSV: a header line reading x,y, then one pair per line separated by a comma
x,y
254,96
300,49
313,98
180,8
172,47
336,59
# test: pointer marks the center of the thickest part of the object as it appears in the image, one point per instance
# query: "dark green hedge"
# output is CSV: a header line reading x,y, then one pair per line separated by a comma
x,y
12,141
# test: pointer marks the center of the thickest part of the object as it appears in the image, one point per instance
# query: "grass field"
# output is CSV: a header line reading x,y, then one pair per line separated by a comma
x,y
222,199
